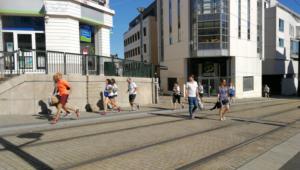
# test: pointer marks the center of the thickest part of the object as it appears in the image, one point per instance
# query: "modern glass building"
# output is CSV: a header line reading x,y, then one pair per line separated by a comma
x,y
216,39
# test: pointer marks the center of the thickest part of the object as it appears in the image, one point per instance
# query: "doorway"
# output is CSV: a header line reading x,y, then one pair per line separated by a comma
x,y
24,41
211,84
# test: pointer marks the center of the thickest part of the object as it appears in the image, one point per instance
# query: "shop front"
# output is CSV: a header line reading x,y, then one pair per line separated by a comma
x,y
24,33
49,25
210,71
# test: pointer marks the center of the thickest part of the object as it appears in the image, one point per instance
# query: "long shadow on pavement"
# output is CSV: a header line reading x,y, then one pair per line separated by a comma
x,y
33,161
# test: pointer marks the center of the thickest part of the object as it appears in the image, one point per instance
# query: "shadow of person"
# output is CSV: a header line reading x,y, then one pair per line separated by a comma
x,y
35,162
33,137
100,103
45,111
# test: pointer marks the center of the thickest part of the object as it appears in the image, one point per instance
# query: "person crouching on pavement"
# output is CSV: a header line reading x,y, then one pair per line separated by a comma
x,y
63,88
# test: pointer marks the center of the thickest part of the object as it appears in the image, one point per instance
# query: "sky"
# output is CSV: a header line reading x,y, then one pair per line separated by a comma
x,y
126,10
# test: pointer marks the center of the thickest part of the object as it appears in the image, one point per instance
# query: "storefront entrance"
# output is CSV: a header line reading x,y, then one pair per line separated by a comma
x,y
210,71
24,33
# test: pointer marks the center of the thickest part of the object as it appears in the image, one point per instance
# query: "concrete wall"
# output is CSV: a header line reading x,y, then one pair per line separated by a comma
x,y
23,94
244,50
102,40
176,54
62,34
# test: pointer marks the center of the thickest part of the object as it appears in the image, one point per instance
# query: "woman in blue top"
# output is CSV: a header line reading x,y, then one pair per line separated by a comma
x,y
223,98
231,92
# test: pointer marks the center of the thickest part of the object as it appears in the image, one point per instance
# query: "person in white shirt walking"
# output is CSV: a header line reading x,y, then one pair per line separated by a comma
x,y
192,94
132,90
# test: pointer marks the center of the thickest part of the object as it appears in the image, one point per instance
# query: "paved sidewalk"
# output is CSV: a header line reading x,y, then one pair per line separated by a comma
x,y
35,121
284,157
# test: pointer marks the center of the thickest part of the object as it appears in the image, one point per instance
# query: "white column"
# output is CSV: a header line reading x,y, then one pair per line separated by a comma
x,y
62,34
102,41
33,54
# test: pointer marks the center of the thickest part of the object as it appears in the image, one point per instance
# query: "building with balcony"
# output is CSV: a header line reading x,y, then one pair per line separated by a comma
x,y
55,25
133,37
280,67
212,40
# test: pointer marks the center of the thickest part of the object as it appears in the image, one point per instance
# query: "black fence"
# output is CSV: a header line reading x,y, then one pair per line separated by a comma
x,y
49,62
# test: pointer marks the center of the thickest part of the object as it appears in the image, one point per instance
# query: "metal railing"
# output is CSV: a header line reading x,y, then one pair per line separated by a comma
x,y
49,62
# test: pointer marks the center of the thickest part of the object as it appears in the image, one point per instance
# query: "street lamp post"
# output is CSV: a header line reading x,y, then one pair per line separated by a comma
x,y
141,11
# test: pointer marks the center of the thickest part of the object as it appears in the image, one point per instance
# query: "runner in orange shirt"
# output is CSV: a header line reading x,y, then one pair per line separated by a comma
x,y
63,88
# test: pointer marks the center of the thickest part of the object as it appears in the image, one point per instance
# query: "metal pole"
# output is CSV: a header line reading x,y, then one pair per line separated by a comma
x,y
299,69
87,64
142,37
65,64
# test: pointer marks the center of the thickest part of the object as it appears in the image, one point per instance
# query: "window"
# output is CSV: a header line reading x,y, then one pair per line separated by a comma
x,y
240,19
209,24
170,20
145,48
178,16
294,47
171,82
292,31
281,25
138,35
281,42
248,83
248,24
170,40
145,31
139,50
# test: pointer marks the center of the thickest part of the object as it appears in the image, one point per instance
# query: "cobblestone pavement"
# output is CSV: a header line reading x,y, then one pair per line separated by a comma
x,y
156,139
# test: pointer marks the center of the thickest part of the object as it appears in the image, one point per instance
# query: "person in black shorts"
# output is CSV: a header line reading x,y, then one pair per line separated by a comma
x,y
176,96
132,90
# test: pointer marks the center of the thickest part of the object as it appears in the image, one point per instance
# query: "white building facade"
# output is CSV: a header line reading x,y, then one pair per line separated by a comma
x,y
212,40
280,67
132,37
56,25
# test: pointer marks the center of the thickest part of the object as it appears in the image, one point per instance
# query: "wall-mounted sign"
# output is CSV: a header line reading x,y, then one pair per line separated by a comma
x,y
86,33
208,69
9,46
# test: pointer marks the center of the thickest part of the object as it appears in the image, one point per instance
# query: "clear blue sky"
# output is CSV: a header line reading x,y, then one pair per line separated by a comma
x,y
126,11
